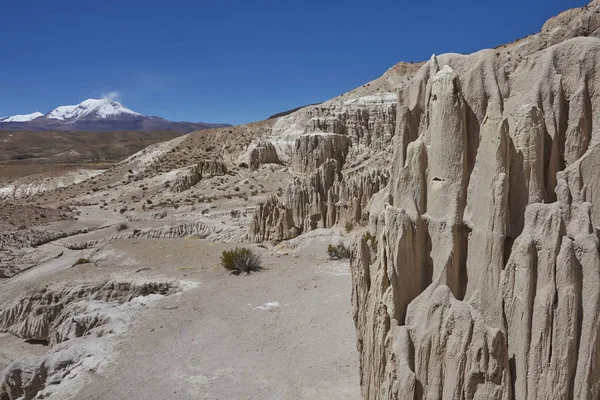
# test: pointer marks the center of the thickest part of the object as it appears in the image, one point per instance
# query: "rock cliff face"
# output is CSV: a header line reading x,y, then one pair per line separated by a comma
x,y
486,279
321,200
336,128
330,145
263,153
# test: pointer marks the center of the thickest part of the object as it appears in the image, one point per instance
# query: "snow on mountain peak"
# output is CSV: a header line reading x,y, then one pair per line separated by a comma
x,y
22,118
99,108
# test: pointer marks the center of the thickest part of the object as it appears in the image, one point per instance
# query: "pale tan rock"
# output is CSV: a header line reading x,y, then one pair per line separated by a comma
x,y
203,170
312,150
321,200
272,221
263,153
69,318
486,283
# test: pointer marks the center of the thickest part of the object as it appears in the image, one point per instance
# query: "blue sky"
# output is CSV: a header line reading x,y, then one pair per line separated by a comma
x,y
233,61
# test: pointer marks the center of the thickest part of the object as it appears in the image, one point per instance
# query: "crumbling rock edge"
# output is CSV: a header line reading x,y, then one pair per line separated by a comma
x,y
78,321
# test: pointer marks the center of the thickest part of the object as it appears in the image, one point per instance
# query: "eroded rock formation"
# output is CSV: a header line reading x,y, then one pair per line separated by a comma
x,y
341,126
486,281
60,315
263,153
321,200
313,150
203,170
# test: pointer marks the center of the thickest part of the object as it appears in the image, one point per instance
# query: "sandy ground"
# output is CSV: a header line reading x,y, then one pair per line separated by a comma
x,y
12,347
283,333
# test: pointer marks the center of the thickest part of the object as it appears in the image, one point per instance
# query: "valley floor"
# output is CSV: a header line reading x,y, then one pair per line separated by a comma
x,y
283,333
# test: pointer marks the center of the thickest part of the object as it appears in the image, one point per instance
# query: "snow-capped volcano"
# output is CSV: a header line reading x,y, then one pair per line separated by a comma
x,y
103,108
22,118
97,115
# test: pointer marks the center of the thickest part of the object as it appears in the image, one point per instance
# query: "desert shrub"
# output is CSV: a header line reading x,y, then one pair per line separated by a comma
x,y
367,236
338,252
81,261
243,165
349,226
122,227
240,259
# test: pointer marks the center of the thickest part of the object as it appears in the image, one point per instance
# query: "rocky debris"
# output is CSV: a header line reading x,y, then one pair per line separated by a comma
x,y
263,153
487,233
68,318
36,377
203,170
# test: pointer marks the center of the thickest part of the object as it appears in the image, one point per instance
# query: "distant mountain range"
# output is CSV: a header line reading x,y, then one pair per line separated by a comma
x,y
97,115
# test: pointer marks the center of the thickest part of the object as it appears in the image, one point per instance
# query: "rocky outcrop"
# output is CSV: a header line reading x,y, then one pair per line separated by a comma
x,y
16,248
57,314
319,141
366,123
322,200
349,130
263,153
313,150
203,170
486,279
273,221
73,321
200,229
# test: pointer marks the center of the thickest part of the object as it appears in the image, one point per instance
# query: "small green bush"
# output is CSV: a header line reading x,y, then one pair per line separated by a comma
x,y
122,227
240,259
338,252
349,226
81,261
367,236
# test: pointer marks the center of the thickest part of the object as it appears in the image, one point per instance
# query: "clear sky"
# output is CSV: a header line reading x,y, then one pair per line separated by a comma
x,y
233,61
